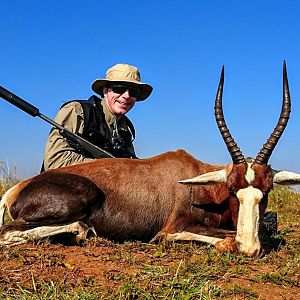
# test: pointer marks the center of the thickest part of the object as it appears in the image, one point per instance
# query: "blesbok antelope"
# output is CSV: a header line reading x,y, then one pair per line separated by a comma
x,y
144,199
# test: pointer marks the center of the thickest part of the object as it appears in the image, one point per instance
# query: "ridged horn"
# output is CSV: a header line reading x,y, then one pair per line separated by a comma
x,y
234,150
266,151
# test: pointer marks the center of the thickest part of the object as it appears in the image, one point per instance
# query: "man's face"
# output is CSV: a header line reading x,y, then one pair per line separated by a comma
x,y
120,98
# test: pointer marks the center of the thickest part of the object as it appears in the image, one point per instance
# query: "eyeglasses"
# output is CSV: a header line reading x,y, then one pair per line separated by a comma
x,y
121,89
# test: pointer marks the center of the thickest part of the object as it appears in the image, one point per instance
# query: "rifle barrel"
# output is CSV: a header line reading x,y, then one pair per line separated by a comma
x,y
34,111
19,102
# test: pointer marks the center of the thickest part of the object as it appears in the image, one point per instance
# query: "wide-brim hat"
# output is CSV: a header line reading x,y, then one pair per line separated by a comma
x,y
123,73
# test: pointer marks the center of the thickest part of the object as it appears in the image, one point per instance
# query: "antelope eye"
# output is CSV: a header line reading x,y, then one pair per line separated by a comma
x,y
233,192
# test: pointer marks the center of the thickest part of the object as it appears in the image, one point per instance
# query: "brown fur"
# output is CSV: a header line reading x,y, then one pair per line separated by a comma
x,y
125,199
134,199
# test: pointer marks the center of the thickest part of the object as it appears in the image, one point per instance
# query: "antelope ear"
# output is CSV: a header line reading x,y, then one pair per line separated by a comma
x,y
207,178
285,177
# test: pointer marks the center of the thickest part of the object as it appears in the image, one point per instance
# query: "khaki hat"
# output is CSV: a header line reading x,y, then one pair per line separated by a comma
x,y
123,73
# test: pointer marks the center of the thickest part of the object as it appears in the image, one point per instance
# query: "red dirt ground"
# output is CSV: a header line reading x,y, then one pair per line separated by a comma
x,y
21,265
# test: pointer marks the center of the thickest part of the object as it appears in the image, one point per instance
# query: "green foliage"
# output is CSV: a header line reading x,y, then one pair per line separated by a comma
x,y
285,202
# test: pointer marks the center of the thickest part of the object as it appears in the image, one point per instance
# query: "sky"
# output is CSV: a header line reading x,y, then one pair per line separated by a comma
x,y
52,51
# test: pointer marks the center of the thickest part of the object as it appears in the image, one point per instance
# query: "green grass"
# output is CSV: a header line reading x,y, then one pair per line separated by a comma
x,y
159,271
286,203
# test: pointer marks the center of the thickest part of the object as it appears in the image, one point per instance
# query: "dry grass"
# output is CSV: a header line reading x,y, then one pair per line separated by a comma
x,y
7,177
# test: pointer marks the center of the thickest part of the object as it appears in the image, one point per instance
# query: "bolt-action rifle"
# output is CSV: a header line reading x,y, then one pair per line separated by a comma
x,y
92,149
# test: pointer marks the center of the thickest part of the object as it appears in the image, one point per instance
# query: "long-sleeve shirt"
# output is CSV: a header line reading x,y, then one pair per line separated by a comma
x,y
58,152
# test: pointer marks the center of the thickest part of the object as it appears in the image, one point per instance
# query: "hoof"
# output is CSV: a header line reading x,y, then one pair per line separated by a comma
x,y
159,237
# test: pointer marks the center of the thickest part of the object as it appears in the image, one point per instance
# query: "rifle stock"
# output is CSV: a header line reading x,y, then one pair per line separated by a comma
x,y
92,149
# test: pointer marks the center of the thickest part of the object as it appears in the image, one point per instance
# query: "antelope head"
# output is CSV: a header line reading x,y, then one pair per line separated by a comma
x,y
249,180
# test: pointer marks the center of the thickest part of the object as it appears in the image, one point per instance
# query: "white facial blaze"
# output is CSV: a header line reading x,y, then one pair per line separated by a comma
x,y
250,175
247,226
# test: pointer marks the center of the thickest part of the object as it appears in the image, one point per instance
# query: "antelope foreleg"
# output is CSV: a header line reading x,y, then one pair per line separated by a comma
x,y
223,245
186,236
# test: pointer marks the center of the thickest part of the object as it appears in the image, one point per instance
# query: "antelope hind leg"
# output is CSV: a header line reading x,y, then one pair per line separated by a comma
x,y
12,238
